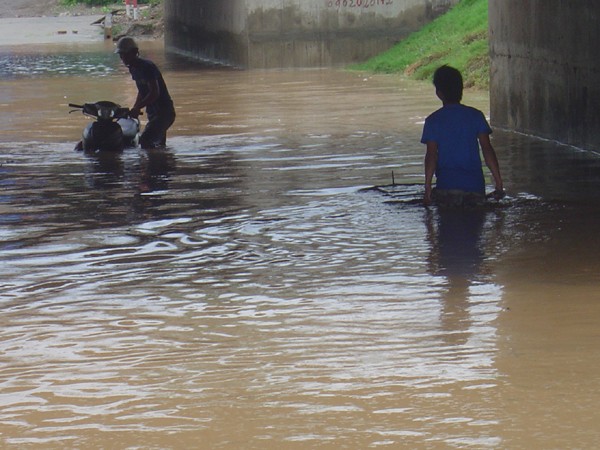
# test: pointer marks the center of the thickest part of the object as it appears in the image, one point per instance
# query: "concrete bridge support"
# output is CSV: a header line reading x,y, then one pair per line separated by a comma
x,y
292,33
545,69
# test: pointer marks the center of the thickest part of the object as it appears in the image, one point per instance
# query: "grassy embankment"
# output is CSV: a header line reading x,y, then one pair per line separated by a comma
x,y
458,38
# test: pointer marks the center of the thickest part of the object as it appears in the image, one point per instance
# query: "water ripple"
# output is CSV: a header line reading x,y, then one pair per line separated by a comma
x,y
241,289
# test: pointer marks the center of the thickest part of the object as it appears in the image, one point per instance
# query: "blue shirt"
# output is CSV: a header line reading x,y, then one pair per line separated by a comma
x,y
455,128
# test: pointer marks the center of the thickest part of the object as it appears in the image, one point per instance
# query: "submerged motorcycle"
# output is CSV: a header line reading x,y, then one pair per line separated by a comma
x,y
112,130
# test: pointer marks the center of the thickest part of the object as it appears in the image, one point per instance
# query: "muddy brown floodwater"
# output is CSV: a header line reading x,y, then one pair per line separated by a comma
x,y
239,290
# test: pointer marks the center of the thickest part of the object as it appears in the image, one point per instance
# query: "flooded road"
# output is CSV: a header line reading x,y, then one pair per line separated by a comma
x,y
240,290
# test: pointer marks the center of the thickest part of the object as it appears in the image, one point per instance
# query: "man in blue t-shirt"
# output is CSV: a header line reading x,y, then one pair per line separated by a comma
x,y
453,135
152,94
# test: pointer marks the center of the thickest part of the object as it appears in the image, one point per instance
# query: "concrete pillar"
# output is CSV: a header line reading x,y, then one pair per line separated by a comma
x,y
545,69
293,33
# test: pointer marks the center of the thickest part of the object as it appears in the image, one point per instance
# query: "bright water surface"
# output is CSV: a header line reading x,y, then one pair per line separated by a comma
x,y
239,291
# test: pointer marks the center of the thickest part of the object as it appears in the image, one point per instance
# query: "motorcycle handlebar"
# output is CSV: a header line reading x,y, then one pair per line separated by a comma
x,y
119,112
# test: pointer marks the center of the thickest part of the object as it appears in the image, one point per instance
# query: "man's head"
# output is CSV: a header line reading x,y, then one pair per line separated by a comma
x,y
448,83
127,49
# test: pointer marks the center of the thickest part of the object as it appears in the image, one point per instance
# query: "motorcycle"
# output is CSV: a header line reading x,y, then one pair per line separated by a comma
x,y
112,130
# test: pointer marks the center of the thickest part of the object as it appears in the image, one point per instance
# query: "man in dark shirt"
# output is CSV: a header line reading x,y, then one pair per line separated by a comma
x,y
152,94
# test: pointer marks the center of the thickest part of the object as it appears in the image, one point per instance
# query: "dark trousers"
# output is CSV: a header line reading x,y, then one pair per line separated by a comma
x,y
155,131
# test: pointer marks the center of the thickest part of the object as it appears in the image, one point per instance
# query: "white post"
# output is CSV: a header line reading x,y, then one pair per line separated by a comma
x,y
131,8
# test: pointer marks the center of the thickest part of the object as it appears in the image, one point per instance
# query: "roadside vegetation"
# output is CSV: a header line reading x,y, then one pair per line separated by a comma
x,y
103,2
149,23
458,38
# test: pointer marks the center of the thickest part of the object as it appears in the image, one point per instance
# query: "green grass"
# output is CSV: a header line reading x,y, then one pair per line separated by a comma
x,y
458,38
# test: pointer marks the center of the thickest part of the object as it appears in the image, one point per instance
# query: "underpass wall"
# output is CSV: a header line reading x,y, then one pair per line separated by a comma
x,y
545,69
292,33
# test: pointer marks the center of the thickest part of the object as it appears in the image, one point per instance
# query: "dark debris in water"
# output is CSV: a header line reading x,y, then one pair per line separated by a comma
x,y
411,194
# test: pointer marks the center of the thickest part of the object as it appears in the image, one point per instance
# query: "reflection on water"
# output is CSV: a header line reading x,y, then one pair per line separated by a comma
x,y
27,65
240,289
457,253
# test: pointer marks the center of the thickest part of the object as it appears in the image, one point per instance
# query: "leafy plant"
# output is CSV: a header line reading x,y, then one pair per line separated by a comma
x,y
103,2
87,2
458,38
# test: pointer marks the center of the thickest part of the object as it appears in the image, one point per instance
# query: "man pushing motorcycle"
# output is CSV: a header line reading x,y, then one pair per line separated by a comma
x,y
153,94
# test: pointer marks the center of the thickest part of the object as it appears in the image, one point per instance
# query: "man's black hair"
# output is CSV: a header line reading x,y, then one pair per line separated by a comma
x,y
449,82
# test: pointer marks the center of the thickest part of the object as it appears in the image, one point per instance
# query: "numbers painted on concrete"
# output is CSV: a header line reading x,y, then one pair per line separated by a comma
x,y
357,3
